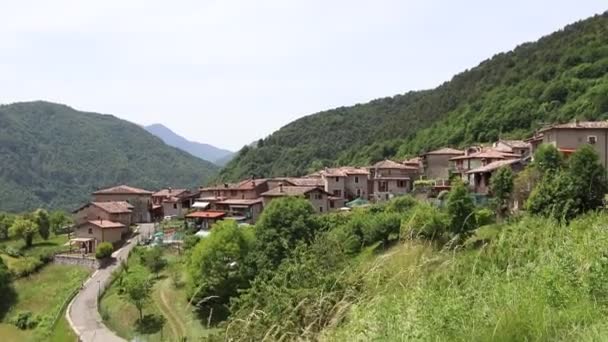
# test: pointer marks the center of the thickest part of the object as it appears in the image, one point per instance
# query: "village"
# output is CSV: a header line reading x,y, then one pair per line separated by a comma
x,y
113,211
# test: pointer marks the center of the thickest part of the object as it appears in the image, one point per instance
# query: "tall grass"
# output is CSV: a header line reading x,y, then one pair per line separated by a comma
x,y
535,280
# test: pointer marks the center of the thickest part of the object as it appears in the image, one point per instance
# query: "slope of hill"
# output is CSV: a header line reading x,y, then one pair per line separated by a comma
x,y
559,77
53,156
208,152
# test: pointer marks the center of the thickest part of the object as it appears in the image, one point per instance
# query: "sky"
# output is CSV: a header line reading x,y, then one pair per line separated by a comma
x,y
229,72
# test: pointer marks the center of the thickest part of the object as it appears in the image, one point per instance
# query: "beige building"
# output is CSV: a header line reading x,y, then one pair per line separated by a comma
x,y
436,164
91,233
518,147
243,210
390,179
319,198
480,177
120,212
460,165
247,189
568,137
140,199
344,182
172,202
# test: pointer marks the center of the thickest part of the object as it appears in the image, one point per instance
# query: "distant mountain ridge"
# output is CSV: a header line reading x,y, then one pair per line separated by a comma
x,y
208,152
54,156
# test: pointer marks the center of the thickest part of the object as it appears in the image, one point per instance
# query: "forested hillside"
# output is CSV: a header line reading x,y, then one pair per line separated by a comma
x,y
559,77
53,156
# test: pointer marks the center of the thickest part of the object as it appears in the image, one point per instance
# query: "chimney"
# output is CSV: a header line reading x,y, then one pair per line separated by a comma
x,y
576,122
225,185
170,189
281,187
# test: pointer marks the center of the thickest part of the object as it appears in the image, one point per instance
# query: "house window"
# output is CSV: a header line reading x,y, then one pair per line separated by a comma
x,y
383,186
91,231
331,204
174,205
358,192
337,179
356,179
320,209
401,184
232,193
338,193
592,139
317,196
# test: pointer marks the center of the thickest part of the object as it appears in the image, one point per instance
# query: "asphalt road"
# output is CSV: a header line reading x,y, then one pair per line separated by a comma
x,y
83,313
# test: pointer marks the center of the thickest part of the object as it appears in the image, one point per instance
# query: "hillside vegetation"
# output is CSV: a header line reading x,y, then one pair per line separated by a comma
x,y
54,156
559,77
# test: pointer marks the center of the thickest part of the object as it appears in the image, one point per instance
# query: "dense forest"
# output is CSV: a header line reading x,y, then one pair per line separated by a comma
x,y
53,156
560,77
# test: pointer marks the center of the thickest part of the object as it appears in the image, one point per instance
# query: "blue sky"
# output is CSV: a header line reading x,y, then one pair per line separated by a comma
x,y
229,72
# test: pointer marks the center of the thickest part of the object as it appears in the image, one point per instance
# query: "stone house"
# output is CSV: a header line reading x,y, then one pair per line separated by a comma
x,y
242,210
460,165
173,202
518,147
91,233
319,198
390,179
568,137
436,163
140,199
120,212
344,182
480,177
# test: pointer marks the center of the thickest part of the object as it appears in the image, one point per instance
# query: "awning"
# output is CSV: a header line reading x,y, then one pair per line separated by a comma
x,y
202,205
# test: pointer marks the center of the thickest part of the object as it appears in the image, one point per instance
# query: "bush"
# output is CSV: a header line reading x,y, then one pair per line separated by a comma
x,y
425,221
484,217
24,321
25,266
104,250
401,204
13,252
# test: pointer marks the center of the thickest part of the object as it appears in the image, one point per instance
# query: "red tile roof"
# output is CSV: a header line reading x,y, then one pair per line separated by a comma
x,y
487,154
170,192
248,184
515,143
291,191
578,125
494,165
105,224
240,201
302,181
446,150
389,164
343,171
213,214
122,190
118,207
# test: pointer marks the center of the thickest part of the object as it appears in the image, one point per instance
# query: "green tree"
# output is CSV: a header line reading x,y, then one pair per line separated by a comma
x,y
548,159
216,266
44,224
554,197
460,210
137,286
501,185
152,258
588,177
24,229
524,183
285,223
59,220
4,225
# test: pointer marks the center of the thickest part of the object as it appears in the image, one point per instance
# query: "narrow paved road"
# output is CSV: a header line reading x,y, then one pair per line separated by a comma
x,y
83,312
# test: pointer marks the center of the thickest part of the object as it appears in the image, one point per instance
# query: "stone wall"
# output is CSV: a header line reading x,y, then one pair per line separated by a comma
x,y
78,260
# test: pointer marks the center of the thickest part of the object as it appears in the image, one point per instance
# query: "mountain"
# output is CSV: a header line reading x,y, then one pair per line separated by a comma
x,y
557,78
54,156
204,151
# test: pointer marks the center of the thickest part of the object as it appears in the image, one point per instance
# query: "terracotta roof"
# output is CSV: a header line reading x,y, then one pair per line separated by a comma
x,y
515,143
122,190
343,171
578,125
446,150
291,191
105,224
487,154
248,184
494,165
206,214
391,178
240,201
114,207
412,161
389,164
302,181
170,192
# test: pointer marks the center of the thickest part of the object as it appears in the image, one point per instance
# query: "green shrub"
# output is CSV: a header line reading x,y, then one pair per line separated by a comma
x,y
13,252
425,221
484,217
25,320
25,266
401,204
104,250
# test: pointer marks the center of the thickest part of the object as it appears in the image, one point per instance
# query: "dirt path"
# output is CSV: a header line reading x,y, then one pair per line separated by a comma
x,y
177,326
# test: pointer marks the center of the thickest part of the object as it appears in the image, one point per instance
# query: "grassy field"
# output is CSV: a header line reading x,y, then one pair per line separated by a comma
x,y
168,306
43,294
533,280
